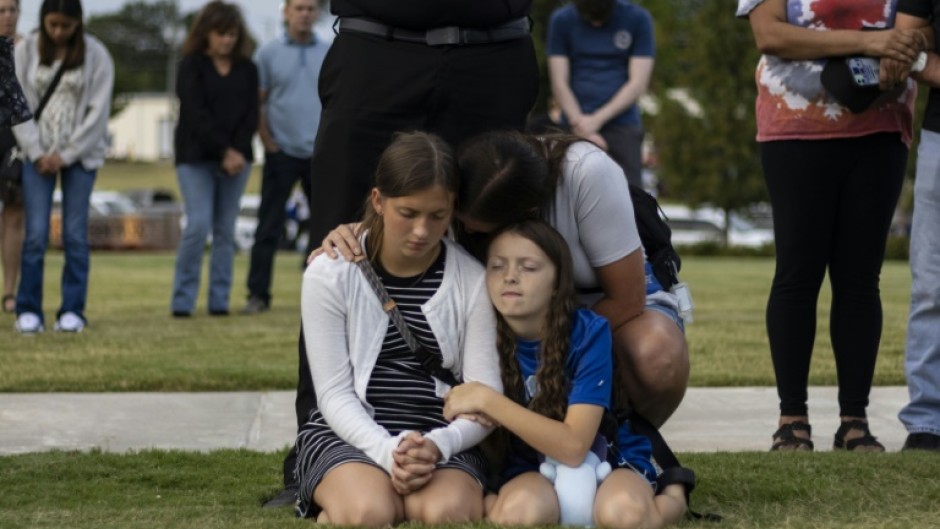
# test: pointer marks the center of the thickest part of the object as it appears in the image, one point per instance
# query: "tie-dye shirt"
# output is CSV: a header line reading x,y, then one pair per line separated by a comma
x,y
791,101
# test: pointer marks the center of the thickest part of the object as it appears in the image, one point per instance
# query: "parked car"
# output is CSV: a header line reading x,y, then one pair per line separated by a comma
x,y
102,203
693,226
247,222
154,200
294,236
118,222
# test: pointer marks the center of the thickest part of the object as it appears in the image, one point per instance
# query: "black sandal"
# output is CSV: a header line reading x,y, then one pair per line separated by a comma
x,y
7,298
866,443
786,441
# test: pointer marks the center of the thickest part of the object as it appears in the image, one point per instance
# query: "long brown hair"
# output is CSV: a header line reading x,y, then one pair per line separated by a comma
x,y
413,162
222,17
551,399
75,56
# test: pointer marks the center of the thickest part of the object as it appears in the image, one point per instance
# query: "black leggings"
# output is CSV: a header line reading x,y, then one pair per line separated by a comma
x,y
833,201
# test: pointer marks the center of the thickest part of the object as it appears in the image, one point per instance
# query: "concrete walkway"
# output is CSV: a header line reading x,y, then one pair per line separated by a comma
x,y
710,419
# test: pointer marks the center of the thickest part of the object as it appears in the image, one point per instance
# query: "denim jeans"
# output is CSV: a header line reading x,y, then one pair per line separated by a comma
x,y
922,356
281,172
77,183
211,203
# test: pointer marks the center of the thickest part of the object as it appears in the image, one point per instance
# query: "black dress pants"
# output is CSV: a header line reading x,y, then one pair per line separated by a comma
x,y
371,88
281,171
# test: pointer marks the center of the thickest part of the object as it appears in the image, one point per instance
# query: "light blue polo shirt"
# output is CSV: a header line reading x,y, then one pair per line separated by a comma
x,y
289,71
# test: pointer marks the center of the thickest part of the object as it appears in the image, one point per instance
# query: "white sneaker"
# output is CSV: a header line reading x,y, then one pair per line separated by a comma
x,y
70,322
28,323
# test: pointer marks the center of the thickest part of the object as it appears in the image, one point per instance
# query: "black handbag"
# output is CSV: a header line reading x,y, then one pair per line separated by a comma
x,y
11,176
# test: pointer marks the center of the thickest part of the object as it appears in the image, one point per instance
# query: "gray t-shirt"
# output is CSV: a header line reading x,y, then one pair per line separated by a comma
x,y
593,211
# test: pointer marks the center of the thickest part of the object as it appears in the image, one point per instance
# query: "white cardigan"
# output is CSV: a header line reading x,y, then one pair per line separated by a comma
x,y
88,142
344,327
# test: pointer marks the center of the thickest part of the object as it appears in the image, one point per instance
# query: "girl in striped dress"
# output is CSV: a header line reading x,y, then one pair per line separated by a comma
x,y
377,449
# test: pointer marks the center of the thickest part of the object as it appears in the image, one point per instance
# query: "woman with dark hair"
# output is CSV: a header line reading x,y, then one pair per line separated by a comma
x,y
582,192
376,449
74,74
218,92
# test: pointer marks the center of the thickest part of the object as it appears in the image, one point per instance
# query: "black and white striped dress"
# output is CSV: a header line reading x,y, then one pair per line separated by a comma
x,y
400,391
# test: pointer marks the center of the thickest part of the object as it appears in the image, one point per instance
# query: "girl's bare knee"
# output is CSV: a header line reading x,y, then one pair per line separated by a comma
x,y
364,514
458,510
523,509
625,513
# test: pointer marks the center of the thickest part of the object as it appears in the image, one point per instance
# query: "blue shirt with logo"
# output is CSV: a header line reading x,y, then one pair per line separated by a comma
x,y
599,57
590,371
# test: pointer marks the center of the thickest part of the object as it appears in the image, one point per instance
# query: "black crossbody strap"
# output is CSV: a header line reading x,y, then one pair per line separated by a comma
x,y
429,361
673,471
49,91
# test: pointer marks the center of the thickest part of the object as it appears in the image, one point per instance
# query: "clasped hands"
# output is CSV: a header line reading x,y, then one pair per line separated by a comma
x,y
233,162
898,50
413,463
416,457
50,164
588,126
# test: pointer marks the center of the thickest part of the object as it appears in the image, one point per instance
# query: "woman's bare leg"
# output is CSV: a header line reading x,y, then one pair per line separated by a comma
x,y
12,247
653,361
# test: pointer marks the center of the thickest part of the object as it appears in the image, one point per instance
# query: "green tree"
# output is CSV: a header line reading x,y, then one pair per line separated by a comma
x,y
709,155
540,13
139,38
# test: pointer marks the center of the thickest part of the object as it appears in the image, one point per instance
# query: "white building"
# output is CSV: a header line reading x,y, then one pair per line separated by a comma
x,y
143,130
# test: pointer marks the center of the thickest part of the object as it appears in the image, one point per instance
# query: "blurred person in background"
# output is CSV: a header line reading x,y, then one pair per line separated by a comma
x,y
218,93
74,73
11,193
921,416
288,71
600,61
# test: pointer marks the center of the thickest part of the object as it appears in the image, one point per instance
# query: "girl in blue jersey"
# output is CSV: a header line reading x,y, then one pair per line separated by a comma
x,y
557,370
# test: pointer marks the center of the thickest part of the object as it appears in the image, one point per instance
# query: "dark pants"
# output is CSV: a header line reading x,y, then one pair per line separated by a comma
x,y
281,172
832,206
371,88
625,146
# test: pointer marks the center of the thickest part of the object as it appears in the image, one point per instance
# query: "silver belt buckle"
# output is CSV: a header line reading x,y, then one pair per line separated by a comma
x,y
443,36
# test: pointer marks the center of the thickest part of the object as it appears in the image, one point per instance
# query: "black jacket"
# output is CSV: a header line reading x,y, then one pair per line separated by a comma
x,y
216,112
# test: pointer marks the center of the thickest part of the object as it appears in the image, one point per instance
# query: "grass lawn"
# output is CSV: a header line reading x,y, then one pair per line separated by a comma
x,y
121,176
225,488
133,344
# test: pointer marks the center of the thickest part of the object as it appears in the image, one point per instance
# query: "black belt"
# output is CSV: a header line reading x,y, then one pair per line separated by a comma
x,y
445,36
